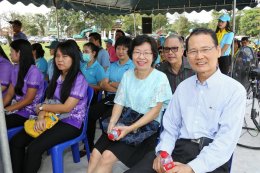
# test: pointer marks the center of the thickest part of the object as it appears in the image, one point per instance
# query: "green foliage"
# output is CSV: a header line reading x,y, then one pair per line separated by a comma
x,y
250,22
182,25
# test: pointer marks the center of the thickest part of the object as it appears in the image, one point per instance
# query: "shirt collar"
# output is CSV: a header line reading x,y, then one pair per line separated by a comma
x,y
212,81
59,81
127,63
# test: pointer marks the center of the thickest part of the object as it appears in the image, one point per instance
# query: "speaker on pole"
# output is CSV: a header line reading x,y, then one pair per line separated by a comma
x,y
147,25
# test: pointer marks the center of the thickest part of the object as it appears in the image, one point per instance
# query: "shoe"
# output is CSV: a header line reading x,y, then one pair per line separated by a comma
x,y
82,153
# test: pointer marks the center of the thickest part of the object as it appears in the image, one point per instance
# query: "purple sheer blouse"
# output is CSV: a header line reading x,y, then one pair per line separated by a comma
x,y
78,91
5,73
33,79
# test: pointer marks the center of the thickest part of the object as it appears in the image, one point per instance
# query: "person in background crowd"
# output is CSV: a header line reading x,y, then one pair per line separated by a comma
x,y
248,52
175,66
206,109
111,50
144,90
69,87
5,71
225,38
103,56
26,87
110,84
119,33
40,61
52,48
17,27
93,72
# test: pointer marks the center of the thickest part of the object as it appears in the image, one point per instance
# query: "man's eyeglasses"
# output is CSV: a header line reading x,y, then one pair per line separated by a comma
x,y
145,54
168,49
192,53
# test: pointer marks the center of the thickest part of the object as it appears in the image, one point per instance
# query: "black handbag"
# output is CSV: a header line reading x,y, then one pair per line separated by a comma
x,y
129,117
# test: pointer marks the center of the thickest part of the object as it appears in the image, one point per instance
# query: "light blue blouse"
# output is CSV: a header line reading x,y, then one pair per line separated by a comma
x,y
227,39
93,74
143,95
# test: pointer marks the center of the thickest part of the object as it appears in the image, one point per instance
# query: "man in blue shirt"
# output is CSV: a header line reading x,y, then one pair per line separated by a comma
x,y
52,48
103,56
204,118
17,26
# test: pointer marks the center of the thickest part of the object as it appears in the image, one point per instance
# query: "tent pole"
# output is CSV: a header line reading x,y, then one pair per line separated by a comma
x,y
134,25
4,146
234,29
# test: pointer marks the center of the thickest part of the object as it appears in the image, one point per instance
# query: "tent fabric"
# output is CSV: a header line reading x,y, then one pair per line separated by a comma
x,y
124,7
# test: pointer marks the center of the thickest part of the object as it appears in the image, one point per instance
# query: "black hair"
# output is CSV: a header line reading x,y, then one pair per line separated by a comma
x,y
140,39
26,60
2,53
204,31
96,36
66,48
39,50
122,32
238,43
93,47
228,27
74,42
124,41
245,39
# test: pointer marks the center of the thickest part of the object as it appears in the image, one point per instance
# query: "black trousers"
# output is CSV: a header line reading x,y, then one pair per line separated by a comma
x,y
95,112
29,160
224,63
14,120
184,152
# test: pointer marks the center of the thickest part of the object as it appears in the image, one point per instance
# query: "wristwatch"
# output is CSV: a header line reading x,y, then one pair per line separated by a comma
x,y
41,107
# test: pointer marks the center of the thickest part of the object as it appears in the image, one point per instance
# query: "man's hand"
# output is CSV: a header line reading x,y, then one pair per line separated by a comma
x,y
157,166
181,168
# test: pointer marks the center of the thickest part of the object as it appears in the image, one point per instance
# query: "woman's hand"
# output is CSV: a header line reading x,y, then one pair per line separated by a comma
x,y
111,125
40,123
124,130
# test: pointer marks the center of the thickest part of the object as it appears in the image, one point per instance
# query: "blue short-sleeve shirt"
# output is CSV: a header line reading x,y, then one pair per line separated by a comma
x,y
103,58
227,39
93,74
133,92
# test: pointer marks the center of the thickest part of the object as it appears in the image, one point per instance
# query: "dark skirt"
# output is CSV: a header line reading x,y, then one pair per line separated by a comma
x,y
127,154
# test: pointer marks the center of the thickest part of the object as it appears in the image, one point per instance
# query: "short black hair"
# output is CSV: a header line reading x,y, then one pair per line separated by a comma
x,y
122,32
245,39
39,50
96,36
204,31
140,39
124,41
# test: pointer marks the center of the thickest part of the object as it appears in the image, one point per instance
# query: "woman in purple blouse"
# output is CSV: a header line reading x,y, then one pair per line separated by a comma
x,y
26,87
5,71
68,88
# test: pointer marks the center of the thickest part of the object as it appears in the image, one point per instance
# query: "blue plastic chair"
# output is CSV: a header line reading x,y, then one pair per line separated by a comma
x,y
11,132
57,150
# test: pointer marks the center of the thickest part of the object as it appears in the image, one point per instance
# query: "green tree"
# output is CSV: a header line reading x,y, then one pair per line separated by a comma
x,y
181,25
40,20
250,22
159,22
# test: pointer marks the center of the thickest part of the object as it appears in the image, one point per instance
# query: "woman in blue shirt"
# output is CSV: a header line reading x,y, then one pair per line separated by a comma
x,y
40,61
110,84
225,38
91,69
144,90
